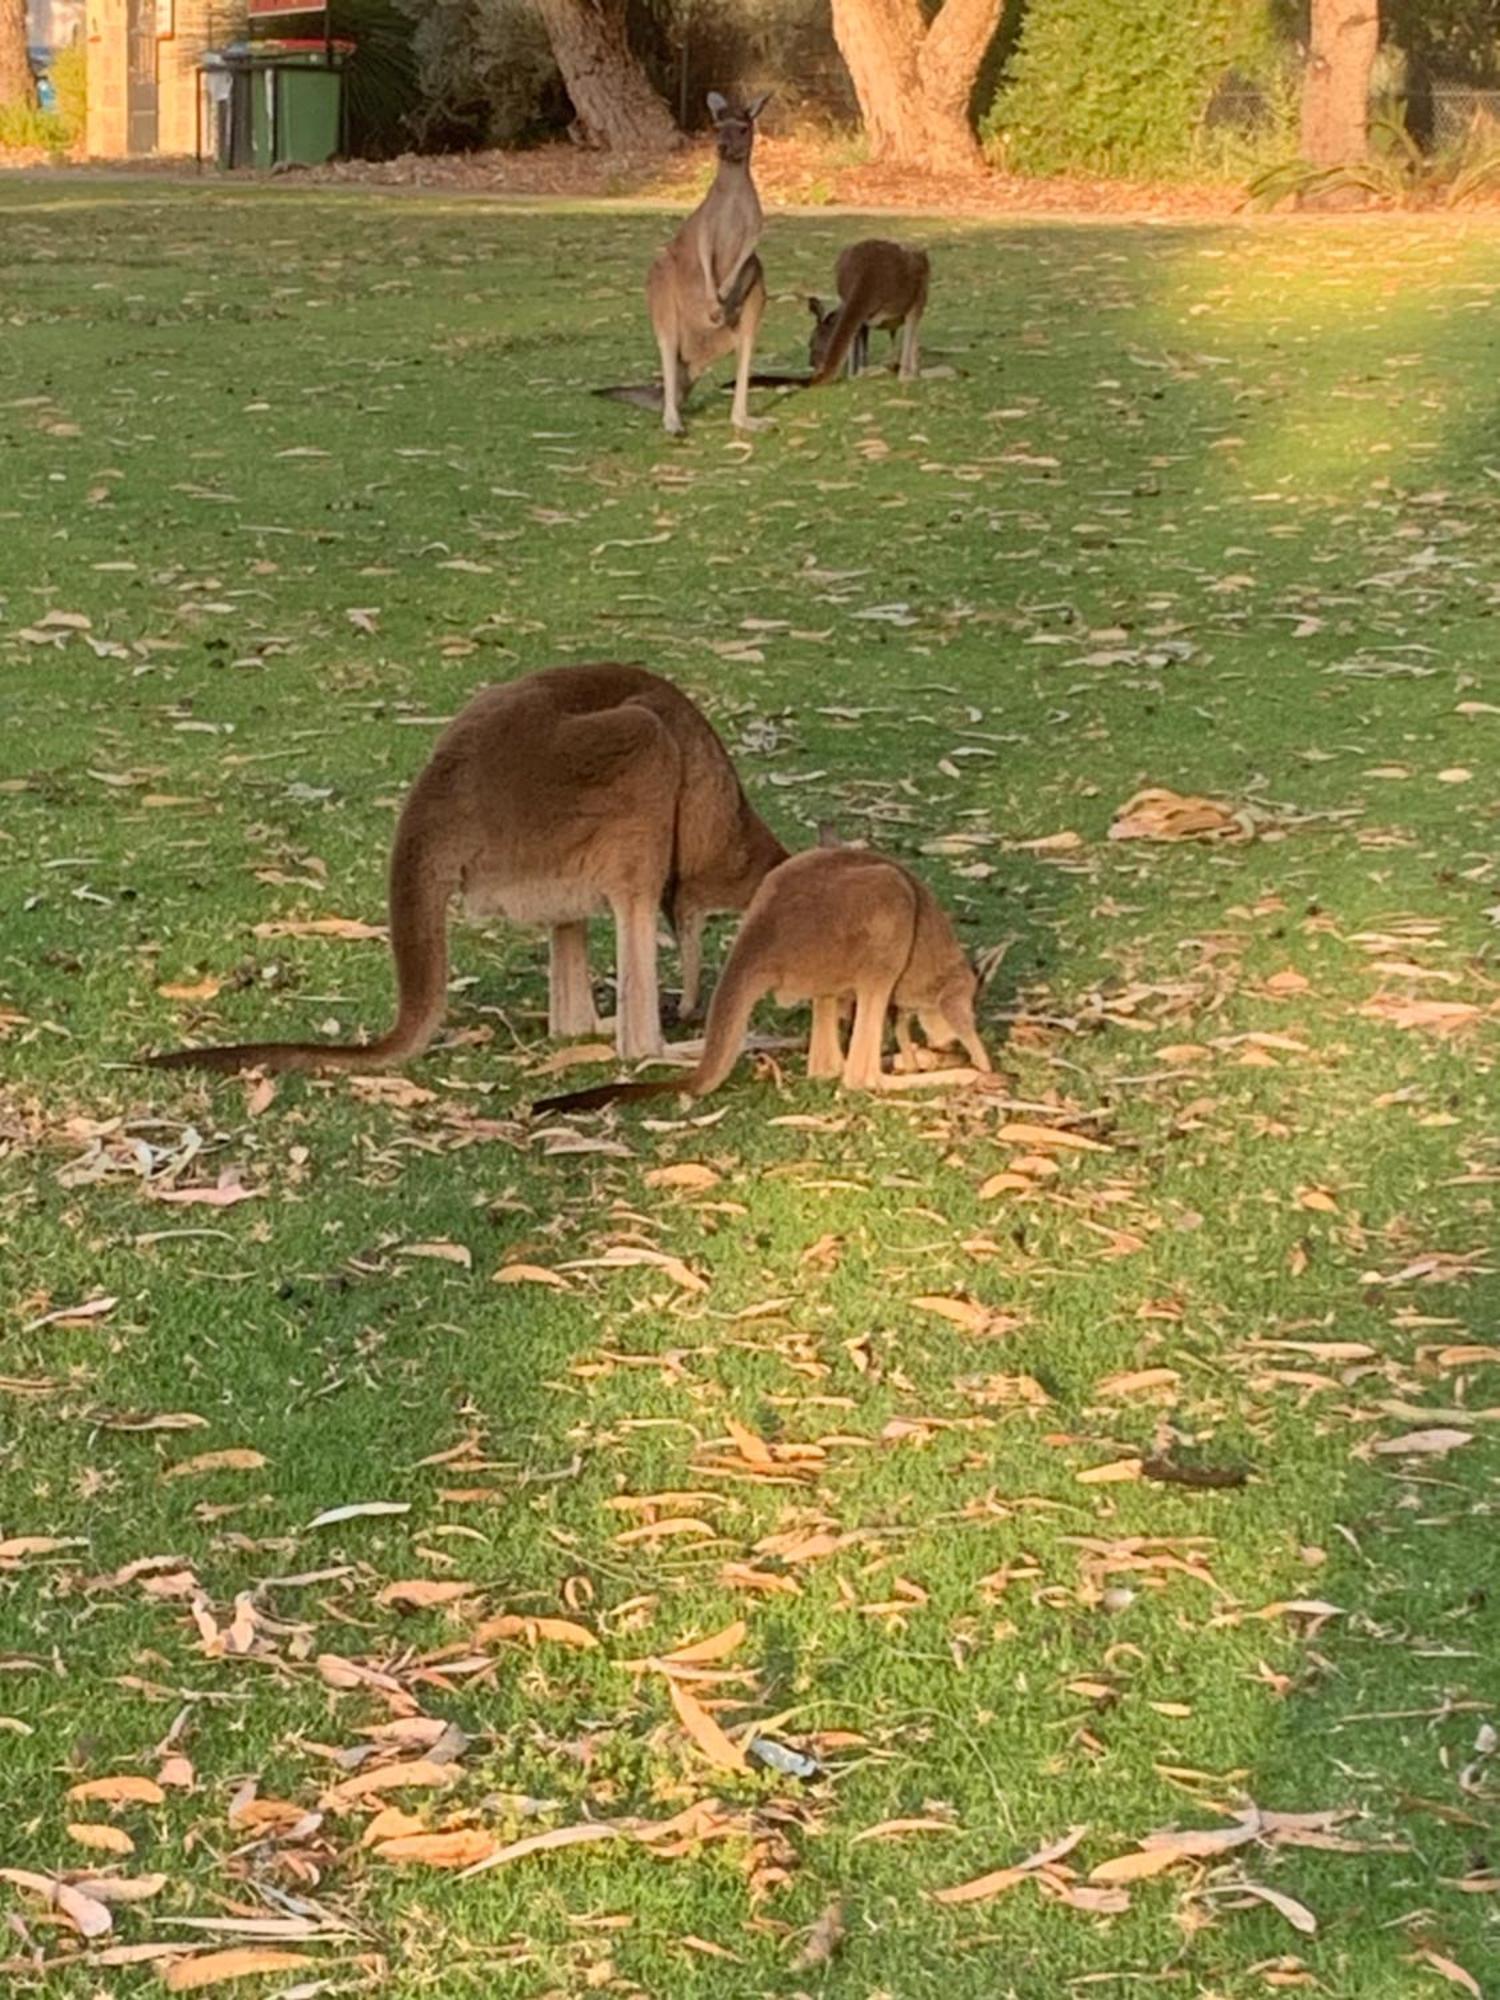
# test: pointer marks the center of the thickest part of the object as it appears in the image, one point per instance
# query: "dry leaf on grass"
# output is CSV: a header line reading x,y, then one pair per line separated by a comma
x,y
983,1887
898,1829
1119,1472
238,1458
823,1940
460,1848
1451,1970
704,1731
18,1547
114,1889
1160,814
1135,1867
441,1252
225,1193
1017,1133
348,928
685,1174
126,1789
1298,1915
626,1256
530,1274
357,1510
556,1631
419,1775
101,1839
1431,1444
1137,1382
544,1843
420,1593
571,1056
966,1313
189,1975
203,989
89,1917
1433,1017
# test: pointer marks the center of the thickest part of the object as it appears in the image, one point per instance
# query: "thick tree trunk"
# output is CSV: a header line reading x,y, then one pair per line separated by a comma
x,y
612,98
1336,82
17,85
914,80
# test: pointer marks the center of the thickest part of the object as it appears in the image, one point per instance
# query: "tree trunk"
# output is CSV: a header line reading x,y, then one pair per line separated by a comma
x,y
1336,82
914,79
17,85
612,98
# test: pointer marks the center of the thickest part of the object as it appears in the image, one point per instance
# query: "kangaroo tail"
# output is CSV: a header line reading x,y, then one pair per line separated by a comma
x,y
610,1093
421,883
645,395
740,986
845,332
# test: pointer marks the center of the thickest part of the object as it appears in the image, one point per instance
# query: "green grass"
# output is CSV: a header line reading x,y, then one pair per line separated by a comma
x,y
1206,508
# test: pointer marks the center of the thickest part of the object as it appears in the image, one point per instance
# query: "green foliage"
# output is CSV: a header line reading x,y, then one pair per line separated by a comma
x,y
485,73
1398,174
1097,87
25,129
69,74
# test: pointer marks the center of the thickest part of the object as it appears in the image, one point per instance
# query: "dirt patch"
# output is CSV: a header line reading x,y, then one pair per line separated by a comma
x,y
793,172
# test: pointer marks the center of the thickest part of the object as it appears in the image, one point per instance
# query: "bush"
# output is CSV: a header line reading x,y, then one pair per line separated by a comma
x,y
1155,86
486,74
25,129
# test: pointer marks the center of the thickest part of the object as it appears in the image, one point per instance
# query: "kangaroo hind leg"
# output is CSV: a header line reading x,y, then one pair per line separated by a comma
x,y
825,1054
570,998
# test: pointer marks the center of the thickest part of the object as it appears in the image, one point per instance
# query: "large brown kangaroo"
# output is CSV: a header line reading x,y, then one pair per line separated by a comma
x,y
829,925
546,800
880,284
706,290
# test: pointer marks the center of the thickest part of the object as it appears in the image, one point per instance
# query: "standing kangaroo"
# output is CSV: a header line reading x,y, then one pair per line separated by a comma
x,y
706,290
880,284
545,800
827,925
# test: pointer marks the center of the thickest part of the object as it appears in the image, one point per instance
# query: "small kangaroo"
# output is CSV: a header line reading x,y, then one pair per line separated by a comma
x,y
706,290
546,799
827,925
880,284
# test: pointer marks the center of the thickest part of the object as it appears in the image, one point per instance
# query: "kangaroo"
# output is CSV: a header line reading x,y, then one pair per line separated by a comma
x,y
828,924
880,284
546,799
706,290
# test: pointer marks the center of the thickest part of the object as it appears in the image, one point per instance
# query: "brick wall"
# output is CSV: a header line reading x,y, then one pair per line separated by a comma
x,y
194,26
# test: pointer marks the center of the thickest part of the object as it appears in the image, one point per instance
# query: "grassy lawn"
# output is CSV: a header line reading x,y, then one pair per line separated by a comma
x,y
287,476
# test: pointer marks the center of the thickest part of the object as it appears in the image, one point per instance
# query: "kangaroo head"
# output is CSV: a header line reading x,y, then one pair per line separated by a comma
x,y
947,1017
825,319
734,130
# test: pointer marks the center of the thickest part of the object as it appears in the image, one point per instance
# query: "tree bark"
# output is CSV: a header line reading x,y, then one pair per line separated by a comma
x,y
17,85
612,98
1336,81
914,79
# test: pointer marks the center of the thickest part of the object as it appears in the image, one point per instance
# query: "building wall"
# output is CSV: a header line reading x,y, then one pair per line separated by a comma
x,y
185,28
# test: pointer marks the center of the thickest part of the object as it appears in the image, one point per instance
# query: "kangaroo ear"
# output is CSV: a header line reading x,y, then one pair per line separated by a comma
x,y
815,307
718,106
828,834
753,110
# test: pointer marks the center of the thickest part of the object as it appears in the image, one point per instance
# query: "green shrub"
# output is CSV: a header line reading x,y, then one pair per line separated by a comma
x,y
69,72
1148,87
26,129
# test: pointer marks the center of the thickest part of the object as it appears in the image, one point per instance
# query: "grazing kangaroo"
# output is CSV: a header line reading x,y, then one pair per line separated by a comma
x,y
706,290
880,284
826,925
571,791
